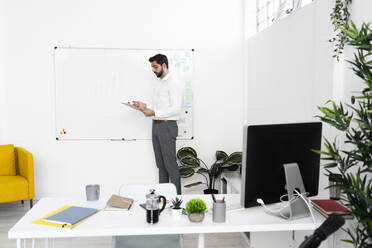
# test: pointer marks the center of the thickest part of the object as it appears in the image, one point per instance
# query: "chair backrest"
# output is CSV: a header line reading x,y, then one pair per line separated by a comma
x,y
139,191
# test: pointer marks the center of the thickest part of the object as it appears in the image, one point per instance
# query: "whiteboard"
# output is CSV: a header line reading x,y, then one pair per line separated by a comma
x,y
91,83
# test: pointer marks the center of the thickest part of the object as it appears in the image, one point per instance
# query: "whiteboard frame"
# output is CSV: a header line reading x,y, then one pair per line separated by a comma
x,y
116,48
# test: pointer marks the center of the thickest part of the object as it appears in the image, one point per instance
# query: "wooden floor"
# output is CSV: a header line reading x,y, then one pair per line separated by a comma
x,y
10,213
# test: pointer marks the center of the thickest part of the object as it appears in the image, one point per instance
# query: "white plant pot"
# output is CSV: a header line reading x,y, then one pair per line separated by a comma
x,y
176,213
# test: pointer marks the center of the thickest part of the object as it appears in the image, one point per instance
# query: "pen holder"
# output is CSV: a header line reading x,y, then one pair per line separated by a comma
x,y
219,211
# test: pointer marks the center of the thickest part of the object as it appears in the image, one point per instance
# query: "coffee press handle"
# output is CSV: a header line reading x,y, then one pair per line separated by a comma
x,y
162,198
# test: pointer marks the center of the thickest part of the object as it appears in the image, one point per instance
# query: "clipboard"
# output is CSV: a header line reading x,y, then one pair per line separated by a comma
x,y
42,222
130,105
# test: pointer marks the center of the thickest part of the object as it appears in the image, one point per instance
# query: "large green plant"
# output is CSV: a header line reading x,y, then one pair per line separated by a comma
x,y
191,164
354,120
340,17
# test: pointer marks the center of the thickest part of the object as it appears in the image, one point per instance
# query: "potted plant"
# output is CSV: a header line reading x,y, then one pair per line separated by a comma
x,y
353,161
191,164
176,208
195,209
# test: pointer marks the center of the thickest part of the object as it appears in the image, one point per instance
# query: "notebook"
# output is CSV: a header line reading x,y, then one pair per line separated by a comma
x,y
71,215
330,206
327,207
119,203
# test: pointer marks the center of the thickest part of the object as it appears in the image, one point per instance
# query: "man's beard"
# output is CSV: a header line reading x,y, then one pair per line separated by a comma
x,y
160,73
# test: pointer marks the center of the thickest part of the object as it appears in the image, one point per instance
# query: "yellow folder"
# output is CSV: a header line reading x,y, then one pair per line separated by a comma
x,y
42,222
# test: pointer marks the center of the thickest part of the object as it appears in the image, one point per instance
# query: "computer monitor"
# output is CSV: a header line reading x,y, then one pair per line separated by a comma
x,y
267,148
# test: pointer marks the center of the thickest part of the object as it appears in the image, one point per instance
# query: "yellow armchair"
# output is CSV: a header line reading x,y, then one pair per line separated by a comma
x,y
16,174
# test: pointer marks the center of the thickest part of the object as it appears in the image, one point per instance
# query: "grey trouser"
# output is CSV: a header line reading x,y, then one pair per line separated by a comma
x,y
164,136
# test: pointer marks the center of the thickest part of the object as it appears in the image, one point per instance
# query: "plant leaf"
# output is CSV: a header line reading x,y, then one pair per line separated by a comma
x,y
221,155
186,172
186,151
192,184
189,161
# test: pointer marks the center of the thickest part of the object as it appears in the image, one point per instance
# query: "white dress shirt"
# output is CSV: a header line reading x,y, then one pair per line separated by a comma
x,y
166,99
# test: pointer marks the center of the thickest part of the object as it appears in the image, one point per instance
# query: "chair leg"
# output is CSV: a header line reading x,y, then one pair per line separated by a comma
x,y
31,204
22,201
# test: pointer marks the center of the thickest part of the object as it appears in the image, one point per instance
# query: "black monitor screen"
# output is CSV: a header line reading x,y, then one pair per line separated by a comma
x,y
267,148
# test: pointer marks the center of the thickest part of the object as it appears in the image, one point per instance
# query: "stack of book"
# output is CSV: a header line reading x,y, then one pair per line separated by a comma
x,y
327,207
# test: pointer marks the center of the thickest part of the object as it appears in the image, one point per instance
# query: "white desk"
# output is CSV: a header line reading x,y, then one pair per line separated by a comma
x,y
133,222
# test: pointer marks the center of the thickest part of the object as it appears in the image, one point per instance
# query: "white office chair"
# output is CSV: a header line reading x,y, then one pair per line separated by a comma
x,y
138,192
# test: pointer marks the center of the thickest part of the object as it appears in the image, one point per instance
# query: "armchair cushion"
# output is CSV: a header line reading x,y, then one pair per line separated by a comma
x,y
7,160
13,188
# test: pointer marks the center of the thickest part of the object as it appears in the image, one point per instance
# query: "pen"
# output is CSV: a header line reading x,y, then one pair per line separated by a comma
x,y
223,199
214,199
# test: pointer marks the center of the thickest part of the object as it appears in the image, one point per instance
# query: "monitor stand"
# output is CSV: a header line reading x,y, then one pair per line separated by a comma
x,y
297,208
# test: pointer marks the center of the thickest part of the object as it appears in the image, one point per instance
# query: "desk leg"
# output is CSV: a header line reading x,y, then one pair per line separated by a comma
x,y
49,243
201,240
293,243
33,243
19,244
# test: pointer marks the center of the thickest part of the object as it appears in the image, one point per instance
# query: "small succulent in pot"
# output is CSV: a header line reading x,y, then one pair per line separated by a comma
x,y
176,208
176,202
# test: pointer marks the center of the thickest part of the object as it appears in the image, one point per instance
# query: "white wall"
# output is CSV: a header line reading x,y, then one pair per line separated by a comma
x,y
281,70
360,11
290,70
2,77
213,28
289,67
250,20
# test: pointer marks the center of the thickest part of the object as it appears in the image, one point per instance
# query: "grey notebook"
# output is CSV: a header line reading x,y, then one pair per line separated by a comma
x,y
71,215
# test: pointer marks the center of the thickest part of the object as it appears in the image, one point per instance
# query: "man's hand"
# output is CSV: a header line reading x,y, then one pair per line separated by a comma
x,y
143,107
140,105
148,112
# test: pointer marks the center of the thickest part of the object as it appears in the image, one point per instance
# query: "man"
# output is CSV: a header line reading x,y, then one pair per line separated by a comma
x,y
165,112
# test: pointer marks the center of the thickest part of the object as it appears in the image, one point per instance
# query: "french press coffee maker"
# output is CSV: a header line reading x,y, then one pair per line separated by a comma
x,y
152,206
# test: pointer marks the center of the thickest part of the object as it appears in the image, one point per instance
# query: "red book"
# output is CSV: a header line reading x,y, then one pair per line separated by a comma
x,y
329,207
